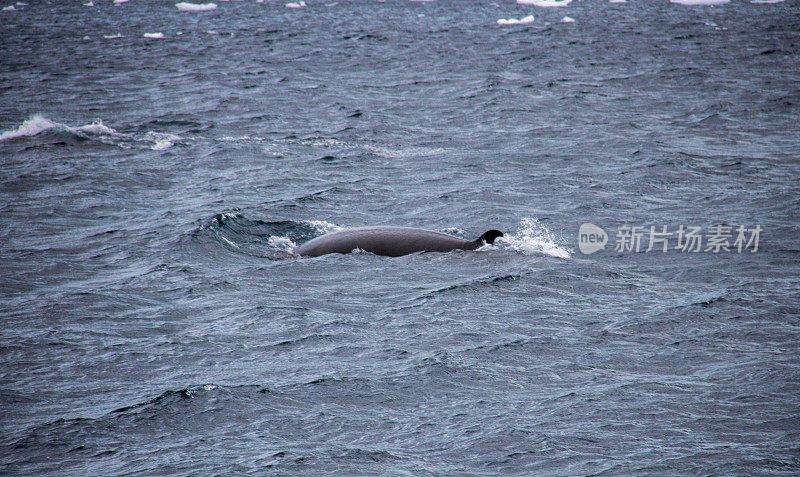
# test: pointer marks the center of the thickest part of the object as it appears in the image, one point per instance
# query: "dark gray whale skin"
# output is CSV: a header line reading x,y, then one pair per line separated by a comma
x,y
390,241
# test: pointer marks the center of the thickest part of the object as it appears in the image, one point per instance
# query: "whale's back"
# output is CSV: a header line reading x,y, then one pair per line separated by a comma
x,y
388,241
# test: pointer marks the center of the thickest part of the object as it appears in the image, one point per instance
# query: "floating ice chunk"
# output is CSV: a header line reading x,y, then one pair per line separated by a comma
x,y
117,2
296,4
90,4
617,1
111,37
87,37
154,35
567,20
699,2
766,1
21,4
195,7
545,3
9,8
515,21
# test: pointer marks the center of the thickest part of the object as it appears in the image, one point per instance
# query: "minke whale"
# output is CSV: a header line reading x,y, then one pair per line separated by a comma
x,y
390,241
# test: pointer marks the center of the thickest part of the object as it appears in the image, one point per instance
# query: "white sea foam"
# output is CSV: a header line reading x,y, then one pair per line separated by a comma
x,y
716,27
241,138
380,150
515,21
160,140
322,226
296,4
9,8
453,231
31,127
90,4
766,1
96,127
154,35
545,3
229,242
617,1
95,130
699,2
195,7
117,2
283,244
532,237
111,37
567,20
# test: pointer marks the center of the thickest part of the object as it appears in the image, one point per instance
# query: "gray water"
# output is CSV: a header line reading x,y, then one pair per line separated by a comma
x,y
154,320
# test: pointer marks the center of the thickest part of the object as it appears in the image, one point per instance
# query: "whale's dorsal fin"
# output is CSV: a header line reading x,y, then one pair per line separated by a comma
x,y
489,236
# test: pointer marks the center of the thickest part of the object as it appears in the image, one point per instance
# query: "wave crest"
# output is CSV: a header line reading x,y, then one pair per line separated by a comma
x,y
94,131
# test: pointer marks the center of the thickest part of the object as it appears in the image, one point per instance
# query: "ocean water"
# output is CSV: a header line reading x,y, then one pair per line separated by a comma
x,y
160,163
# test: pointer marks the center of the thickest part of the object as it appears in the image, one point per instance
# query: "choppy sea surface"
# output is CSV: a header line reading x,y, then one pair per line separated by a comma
x,y
159,164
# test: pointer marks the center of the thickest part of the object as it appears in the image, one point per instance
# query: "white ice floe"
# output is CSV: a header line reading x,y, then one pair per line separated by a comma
x,y
111,37
296,4
545,3
515,21
154,35
9,8
766,1
195,7
117,2
699,2
567,20
90,4
617,1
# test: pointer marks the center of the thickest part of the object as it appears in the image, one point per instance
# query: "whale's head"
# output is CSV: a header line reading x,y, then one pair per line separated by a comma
x,y
489,236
